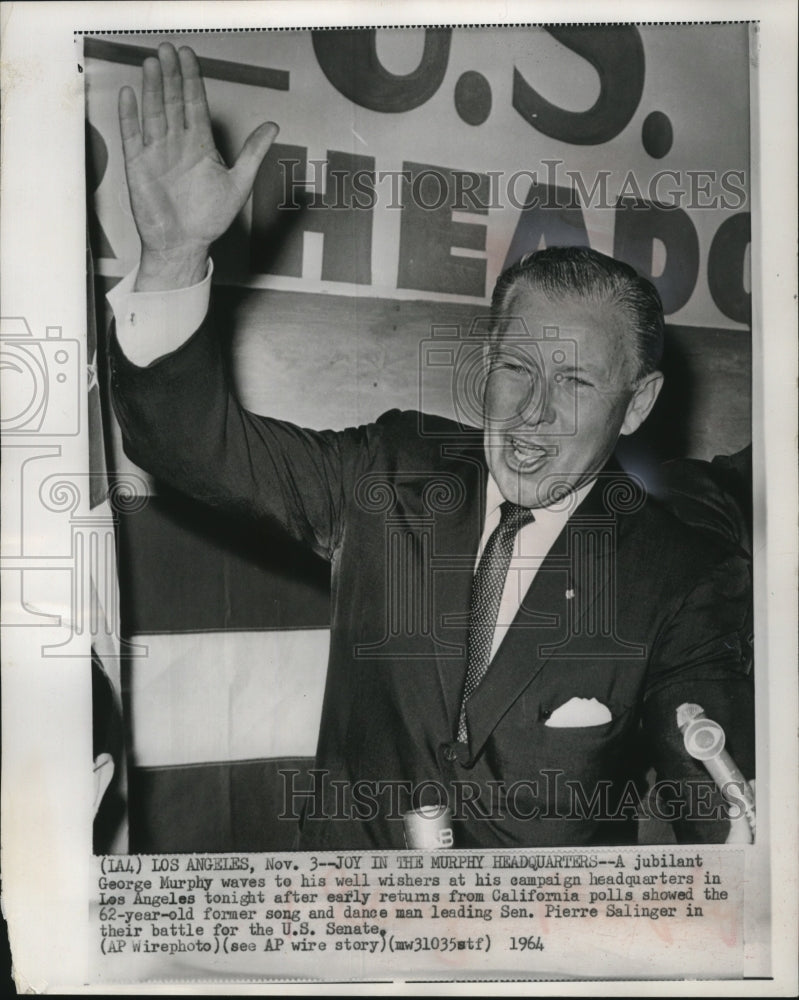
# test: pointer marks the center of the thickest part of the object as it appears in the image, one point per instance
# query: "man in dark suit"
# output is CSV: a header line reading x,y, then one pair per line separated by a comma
x,y
514,624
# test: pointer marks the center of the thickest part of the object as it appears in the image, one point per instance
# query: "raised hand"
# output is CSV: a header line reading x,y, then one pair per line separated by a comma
x,y
182,195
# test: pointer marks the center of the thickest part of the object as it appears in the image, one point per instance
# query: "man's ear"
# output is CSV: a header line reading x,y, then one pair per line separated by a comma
x,y
103,773
643,399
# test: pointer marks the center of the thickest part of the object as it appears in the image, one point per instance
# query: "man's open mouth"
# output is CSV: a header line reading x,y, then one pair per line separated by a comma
x,y
528,455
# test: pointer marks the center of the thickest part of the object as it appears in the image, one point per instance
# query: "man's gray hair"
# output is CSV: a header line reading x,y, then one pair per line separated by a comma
x,y
566,271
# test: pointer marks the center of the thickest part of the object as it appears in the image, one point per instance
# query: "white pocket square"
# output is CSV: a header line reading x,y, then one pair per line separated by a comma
x,y
580,712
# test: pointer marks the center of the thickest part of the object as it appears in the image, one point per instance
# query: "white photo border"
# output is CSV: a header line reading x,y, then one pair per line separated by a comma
x,y
46,713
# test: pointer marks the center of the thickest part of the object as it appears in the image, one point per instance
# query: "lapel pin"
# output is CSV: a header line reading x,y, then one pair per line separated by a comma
x,y
569,594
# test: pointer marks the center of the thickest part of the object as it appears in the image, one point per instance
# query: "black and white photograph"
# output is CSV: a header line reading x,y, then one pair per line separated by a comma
x,y
490,298
415,466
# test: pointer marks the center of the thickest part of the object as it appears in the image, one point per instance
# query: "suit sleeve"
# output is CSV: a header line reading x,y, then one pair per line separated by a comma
x,y
702,656
181,422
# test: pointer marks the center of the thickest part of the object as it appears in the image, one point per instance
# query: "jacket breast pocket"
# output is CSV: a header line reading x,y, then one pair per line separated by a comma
x,y
529,747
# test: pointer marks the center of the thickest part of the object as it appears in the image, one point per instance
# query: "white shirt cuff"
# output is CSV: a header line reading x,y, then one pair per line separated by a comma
x,y
153,324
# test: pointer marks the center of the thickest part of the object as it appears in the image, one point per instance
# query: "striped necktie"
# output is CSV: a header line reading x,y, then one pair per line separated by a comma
x,y
487,587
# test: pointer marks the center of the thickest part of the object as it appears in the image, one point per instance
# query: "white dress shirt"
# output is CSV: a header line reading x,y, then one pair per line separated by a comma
x,y
153,324
531,546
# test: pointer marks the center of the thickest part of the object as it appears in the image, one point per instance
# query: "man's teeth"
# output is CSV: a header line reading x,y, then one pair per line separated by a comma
x,y
524,450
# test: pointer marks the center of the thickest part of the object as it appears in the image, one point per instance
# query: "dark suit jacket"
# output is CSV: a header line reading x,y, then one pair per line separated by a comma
x,y
631,608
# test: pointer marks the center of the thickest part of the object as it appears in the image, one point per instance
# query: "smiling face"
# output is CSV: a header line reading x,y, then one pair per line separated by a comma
x,y
560,389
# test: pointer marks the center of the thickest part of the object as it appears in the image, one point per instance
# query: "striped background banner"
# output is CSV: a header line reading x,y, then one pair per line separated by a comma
x,y
229,691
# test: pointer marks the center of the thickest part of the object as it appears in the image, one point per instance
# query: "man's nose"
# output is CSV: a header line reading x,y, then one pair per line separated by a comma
x,y
537,409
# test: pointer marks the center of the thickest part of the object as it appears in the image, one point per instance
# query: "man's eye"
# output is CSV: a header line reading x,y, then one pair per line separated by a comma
x,y
509,366
572,379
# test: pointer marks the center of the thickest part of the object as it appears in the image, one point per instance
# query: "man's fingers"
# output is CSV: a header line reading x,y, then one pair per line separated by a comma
x,y
173,86
153,116
252,153
129,122
194,101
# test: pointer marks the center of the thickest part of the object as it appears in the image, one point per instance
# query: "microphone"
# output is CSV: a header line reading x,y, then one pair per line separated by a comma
x,y
704,740
428,828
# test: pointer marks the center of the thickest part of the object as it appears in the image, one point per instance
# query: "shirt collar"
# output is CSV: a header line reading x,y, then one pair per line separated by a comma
x,y
558,512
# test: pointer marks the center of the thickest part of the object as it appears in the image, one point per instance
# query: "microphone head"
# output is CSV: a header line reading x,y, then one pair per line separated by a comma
x,y
703,739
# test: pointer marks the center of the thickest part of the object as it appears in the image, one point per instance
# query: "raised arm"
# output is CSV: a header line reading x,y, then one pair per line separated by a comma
x,y
182,194
178,416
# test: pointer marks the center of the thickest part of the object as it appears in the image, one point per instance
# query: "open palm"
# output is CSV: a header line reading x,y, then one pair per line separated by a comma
x,y
182,194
